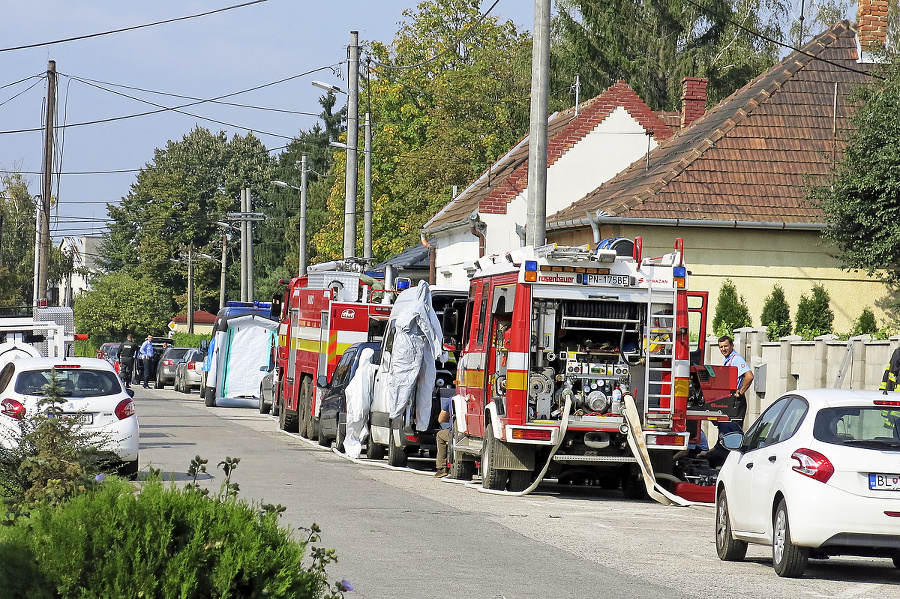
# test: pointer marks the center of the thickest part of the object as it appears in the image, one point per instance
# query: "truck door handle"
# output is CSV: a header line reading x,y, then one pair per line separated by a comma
x,y
772,458
749,465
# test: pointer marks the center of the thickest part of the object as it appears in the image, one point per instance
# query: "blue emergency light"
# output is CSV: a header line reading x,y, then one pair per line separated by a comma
x,y
531,265
679,271
403,284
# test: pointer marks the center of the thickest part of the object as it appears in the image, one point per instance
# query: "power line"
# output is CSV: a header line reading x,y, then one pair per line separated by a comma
x,y
83,37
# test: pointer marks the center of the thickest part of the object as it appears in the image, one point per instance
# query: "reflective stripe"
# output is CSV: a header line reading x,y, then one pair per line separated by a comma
x,y
517,361
516,380
681,368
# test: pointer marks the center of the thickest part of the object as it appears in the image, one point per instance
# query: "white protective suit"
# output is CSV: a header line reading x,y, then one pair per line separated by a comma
x,y
359,398
418,342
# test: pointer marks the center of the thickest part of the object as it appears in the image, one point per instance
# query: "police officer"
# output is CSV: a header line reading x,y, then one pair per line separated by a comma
x,y
128,349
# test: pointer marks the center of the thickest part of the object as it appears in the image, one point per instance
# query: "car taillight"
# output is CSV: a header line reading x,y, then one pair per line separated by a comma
x,y
125,409
192,366
12,408
168,362
813,464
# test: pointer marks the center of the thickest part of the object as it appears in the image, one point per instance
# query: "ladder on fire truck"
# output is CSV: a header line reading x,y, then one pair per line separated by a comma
x,y
659,352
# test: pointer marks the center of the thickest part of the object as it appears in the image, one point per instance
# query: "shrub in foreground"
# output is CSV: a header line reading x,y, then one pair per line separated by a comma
x,y
157,541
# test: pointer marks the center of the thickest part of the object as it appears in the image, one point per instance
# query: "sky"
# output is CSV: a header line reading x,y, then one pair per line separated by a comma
x,y
204,57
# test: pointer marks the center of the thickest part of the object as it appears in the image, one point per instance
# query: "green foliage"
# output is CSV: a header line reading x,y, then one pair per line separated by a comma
x,y
776,314
50,458
814,314
865,324
859,199
158,541
731,311
186,340
119,304
653,45
437,125
176,202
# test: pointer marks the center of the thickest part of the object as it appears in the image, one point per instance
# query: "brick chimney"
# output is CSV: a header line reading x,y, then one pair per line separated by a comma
x,y
872,23
693,99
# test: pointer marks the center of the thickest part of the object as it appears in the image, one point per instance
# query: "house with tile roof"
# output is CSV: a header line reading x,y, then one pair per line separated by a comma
x,y
734,185
587,145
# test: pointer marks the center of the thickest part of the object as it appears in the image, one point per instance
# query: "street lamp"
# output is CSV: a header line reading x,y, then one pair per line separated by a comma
x,y
301,253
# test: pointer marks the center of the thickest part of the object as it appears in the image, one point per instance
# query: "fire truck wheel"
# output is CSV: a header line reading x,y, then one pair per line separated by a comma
x,y
396,456
286,421
519,480
460,468
728,548
633,485
374,451
491,476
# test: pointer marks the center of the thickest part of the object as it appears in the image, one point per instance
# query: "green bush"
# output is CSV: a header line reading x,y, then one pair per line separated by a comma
x,y
776,314
731,311
865,324
158,542
814,315
186,340
49,459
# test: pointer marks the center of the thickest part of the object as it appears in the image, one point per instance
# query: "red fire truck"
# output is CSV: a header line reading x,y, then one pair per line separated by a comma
x,y
321,315
556,339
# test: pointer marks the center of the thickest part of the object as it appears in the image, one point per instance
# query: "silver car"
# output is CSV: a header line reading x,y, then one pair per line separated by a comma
x,y
188,371
165,370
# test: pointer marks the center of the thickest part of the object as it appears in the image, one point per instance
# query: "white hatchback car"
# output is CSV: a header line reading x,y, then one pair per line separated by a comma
x,y
817,474
91,389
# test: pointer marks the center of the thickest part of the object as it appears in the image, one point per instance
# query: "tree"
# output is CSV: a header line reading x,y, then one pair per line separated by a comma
x,y
731,311
776,314
861,201
814,314
654,45
865,324
119,304
176,202
17,210
448,97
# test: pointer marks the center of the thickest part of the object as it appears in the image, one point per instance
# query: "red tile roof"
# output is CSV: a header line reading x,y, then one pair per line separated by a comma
x,y
508,177
200,317
752,156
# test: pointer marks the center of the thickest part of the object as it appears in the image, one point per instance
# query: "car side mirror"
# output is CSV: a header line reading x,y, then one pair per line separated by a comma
x,y
733,441
264,369
130,391
322,381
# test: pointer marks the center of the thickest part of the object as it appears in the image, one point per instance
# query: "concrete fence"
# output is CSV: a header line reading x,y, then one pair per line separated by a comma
x,y
791,363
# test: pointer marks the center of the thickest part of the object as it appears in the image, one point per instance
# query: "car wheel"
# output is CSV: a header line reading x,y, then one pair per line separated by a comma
x,y
789,559
396,455
303,409
128,469
728,548
209,396
374,451
323,440
263,406
462,467
491,476
341,435
159,383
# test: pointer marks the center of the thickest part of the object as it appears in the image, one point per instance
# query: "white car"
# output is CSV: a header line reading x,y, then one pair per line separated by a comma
x,y
817,474
92,391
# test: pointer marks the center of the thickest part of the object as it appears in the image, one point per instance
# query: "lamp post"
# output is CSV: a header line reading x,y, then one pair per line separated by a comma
x,y
301,254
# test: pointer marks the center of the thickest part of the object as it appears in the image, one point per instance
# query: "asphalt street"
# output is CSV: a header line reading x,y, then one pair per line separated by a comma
x,y
399,533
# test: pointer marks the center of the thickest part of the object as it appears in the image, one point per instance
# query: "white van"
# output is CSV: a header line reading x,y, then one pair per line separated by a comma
x,y
412,378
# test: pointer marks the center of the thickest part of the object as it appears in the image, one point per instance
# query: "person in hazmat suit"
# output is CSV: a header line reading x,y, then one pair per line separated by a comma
x,y
359,399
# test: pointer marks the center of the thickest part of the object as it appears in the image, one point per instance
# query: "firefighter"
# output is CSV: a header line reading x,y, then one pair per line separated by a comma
x,y
891,372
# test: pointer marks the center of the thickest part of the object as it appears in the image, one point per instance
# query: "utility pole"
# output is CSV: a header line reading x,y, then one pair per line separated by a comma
x,y
302,251
190,302
352,142
367,193
222,282
46,185
246,218
536,223
244,240
250,282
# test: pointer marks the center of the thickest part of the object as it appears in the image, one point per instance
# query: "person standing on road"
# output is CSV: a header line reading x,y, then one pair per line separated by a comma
x,y
443,438
128,350
146,356
716,456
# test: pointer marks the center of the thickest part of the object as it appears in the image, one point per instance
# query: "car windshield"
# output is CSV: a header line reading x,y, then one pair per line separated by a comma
x,y
868,426
73,382
176,353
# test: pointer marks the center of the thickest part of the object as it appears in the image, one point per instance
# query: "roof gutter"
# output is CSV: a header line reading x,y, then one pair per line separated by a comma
x,y
601,218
